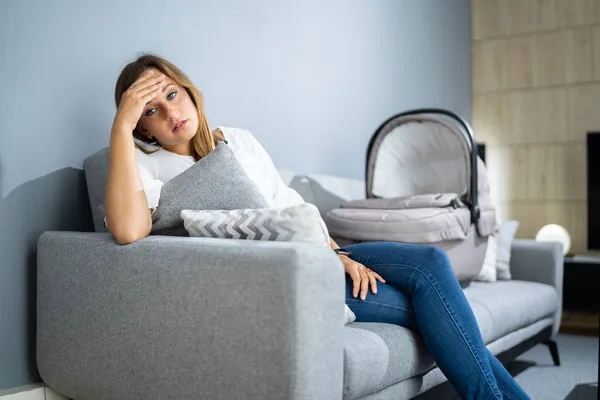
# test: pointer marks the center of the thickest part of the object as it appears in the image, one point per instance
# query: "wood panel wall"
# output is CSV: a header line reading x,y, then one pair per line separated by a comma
x,y
536,91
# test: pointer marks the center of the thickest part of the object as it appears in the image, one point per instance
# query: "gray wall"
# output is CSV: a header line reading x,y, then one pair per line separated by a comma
x,y
308,78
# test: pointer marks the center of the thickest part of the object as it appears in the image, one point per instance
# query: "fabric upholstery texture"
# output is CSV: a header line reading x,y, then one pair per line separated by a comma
x,y
95,168
512,304
216,182
175,317
378,355
513,338
405,389
539,262
324,191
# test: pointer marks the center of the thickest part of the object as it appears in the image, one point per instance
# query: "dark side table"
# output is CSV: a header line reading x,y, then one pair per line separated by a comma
x,y
581,298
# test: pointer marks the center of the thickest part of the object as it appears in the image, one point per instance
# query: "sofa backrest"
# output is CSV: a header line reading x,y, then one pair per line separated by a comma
x,y
324,191
95,168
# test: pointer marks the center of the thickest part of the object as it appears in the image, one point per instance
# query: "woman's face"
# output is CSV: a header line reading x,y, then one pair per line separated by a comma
x,y
171,117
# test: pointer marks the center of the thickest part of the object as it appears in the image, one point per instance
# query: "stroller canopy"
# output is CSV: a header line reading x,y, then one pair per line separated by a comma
x,y
424,151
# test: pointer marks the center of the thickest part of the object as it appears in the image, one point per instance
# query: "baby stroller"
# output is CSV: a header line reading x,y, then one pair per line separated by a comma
x,y
425,184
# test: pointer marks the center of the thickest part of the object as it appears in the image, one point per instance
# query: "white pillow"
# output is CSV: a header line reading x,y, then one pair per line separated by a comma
x,y
349,315
506,235
488,272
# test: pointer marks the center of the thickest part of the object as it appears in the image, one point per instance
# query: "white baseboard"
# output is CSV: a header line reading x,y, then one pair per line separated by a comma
x,y
50,395
30,392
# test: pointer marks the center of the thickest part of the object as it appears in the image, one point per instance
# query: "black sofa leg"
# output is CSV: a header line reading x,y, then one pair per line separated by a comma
x,y
553,347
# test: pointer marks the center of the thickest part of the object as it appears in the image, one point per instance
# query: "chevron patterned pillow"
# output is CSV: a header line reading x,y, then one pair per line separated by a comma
x,y
298,223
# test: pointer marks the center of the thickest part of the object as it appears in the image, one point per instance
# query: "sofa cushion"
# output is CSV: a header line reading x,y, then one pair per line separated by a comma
x,y
377,355
510,305
484,320
324,191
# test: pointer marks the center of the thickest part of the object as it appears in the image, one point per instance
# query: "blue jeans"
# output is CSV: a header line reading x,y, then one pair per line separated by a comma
x,y
421,293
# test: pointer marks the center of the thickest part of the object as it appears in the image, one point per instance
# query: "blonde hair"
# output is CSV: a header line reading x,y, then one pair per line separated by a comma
x,y
203,140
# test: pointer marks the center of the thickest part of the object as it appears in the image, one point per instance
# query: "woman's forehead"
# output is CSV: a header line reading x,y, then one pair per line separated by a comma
x,y
157,71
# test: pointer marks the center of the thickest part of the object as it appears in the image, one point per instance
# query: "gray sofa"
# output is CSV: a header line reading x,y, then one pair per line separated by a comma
x,y
192,318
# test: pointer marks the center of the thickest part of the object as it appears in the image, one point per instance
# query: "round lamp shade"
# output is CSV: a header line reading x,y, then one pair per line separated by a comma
x,y
555,233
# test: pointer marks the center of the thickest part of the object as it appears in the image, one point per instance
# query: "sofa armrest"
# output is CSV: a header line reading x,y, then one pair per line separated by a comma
x,y
539,262
188,318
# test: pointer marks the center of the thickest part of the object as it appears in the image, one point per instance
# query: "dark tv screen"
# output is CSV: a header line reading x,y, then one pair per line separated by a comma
x,y
593,188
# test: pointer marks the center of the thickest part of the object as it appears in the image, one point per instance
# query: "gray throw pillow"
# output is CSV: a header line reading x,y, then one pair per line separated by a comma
x,y
505,236
216,182
297,223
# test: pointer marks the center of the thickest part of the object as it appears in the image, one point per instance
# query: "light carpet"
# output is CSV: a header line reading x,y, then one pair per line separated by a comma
x,y
575,379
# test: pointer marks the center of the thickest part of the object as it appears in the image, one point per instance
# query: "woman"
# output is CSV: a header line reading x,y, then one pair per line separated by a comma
x,y
158,105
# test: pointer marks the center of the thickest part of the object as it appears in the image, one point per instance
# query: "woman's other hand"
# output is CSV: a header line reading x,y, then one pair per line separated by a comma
x,y
361,276
135,98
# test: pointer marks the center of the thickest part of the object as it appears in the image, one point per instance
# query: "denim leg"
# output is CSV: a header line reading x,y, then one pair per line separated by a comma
x,y
441,311
389,306
509,388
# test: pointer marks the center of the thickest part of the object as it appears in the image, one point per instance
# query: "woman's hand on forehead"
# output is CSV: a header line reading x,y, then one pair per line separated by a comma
x,y
134,99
